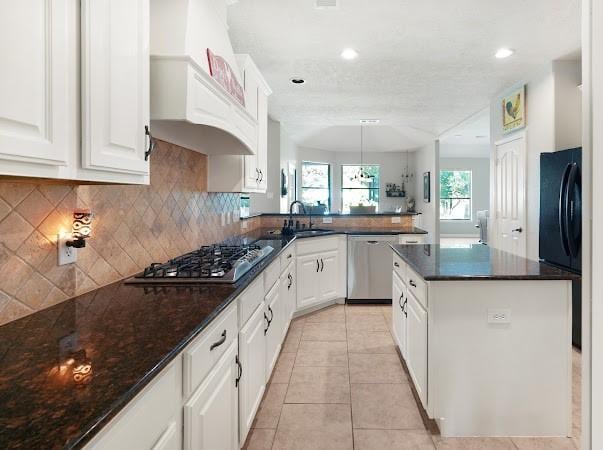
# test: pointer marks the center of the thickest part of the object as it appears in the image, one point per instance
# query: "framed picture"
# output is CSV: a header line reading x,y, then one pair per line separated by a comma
x,y
427,187
514,111
284,184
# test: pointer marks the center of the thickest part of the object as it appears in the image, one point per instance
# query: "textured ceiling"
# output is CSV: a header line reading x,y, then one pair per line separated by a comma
x,y
423,66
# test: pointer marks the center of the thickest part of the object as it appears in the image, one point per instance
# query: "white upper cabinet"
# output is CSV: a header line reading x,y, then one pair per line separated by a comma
x,y
115,85
249,173
37,110
40,130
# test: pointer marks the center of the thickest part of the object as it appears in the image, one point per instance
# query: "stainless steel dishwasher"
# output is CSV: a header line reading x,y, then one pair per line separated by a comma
x,y
370,268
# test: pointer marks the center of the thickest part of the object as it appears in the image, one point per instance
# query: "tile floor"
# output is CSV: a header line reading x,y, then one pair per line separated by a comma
x,y
339,384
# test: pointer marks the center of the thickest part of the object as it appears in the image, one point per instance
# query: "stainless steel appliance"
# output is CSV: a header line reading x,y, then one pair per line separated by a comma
x,y
369,268
561,221
210,264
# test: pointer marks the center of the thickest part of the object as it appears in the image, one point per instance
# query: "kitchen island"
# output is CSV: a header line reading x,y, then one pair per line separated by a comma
x,y
486,338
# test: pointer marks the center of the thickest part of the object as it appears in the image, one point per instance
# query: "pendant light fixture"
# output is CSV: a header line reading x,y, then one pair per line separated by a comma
x,y
361,174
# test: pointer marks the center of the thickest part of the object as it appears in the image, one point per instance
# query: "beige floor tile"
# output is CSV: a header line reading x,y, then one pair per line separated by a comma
x,y
324,332
318,392
544,443
473,443
314,427
319,385
322,354
392,440
370,342
384,407
291,343
283,368
374,322
376,368
363,310
260,439
332,314
270,409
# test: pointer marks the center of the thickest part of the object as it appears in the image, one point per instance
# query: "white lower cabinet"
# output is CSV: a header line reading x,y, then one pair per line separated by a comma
x,y
152,421
211,416
289,295
416,345
275,322
320,274
252,356
399,313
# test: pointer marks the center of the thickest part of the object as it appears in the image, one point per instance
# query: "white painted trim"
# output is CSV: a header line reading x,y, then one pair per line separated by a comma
x,y
462,236
512,137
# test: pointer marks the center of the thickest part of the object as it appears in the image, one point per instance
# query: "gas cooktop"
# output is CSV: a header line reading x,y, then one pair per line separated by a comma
x,y
209,264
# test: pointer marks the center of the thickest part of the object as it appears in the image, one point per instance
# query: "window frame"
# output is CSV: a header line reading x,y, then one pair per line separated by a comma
x,y
329,181
378,188
470,198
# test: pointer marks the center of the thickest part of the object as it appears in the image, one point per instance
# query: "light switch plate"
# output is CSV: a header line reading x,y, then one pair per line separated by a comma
x,y
327,220
67,255
499,316
395,219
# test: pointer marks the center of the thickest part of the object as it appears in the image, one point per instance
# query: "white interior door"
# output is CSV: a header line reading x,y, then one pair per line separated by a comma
x,y
511,195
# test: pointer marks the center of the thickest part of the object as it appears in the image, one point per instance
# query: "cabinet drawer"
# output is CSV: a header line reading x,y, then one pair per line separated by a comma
x,y
250,299
205,351
308,246
271,274
417,286
399,267
411,239
287,257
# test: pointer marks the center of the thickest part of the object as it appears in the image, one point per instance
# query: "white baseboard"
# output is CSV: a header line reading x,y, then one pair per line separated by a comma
x,y
464,236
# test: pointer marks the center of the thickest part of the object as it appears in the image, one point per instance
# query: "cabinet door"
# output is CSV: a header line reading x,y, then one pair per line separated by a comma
x,y
416,332
262,150
252,173
252,355
292,290
211,415
274,327
115,85
329,275
308,277
38,84
286,285
398,318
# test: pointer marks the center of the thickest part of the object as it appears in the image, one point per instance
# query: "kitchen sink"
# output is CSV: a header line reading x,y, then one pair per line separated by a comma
x,y
312,232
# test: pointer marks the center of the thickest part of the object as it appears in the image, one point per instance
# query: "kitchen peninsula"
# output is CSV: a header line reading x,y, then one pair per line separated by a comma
x,y
486,338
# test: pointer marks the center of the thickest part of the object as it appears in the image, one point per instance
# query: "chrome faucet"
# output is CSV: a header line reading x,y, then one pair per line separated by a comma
x,y
303,208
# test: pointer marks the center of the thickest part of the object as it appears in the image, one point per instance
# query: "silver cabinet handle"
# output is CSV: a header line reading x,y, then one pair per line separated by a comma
x,y
151,147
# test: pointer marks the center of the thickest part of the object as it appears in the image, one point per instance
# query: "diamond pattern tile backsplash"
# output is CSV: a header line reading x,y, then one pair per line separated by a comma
x,y
133,226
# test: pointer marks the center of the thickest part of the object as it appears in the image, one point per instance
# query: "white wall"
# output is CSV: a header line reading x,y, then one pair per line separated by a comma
x,y
427,160
480,195
553,112
391,164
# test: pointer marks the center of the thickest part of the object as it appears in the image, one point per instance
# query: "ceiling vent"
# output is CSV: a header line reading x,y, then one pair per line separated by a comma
x,y
325,4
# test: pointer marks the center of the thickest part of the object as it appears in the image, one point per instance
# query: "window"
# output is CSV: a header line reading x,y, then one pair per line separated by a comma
x,y
315,185
455,195
357,191
245,206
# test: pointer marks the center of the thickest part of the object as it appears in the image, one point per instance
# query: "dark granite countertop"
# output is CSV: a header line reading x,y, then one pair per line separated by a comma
x,y
475,262
352,231
127,333
377,214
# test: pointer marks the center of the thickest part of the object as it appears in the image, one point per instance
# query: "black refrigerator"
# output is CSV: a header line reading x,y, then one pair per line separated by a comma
x,y
561,221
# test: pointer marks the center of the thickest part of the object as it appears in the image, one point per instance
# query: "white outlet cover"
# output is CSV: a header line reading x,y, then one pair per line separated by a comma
x,y
67,255
327,220
244,225
395,219
499,316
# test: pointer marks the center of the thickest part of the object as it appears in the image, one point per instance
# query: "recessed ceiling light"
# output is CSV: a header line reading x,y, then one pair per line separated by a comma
x,y
298,80
458,135
504,53
369,121
349,54
479,136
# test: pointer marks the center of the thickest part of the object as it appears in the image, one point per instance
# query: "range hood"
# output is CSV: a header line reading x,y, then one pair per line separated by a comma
x,y
188,106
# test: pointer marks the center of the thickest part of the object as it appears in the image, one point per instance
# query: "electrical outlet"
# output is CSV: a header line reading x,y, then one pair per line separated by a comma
x,y
327,220
396,219
244,224
67,255
499,316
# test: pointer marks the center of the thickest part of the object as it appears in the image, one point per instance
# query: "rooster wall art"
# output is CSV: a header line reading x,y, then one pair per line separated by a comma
x,y
514,111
